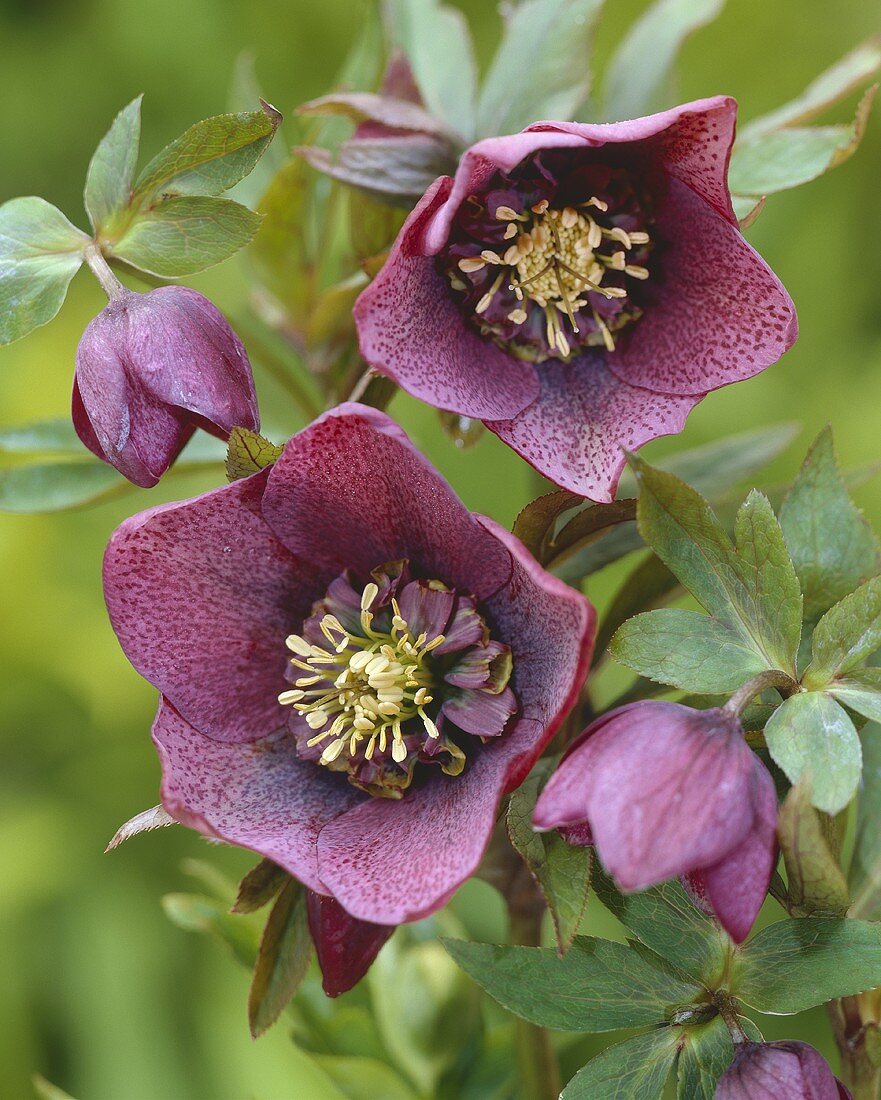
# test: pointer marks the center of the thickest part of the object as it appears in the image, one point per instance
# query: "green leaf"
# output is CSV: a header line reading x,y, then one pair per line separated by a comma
x,y
638,77
687,650
705,1053
40,252
248,453
598,985
209,157
815,882
667,921
197,913
45,1090
279,253
636,1069
648,584
41,436
56,486
736,585
282,961
864,875
388,169
847,75
184,235
111,172
561,870
833,548
587,526
795,964
782,159
535,523
861,691
847,634
364,1078
811,736
259,886
542,67
437,41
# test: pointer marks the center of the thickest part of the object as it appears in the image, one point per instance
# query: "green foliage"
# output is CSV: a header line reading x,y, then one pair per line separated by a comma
x,y
639,75
846,636
542,66
633,1070
864,874
249,452
705,1053
259,886
282,959
860,691
111,175
816,885
598,985
40,252
795,964
561,870
811,736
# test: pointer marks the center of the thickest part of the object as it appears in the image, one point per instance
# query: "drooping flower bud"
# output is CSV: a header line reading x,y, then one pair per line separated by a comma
x,y
779,1071
150,369
345,946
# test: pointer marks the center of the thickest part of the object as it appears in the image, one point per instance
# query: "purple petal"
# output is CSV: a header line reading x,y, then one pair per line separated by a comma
x,y
426,610
389,862
412,330
480,712
719,313
467,628
258,795
487,667
736,886
351,492
778,1071
202,595
345,946
574,433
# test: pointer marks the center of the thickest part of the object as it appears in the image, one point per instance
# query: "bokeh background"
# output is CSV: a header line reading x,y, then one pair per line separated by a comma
x,y
98,990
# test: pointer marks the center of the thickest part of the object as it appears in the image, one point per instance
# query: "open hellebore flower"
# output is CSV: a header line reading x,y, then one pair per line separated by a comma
x,y
779,1071
663,790
428,658
150,369
579,288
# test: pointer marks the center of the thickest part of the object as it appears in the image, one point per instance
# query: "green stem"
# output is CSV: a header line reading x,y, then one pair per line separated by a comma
x,y
111,286
858,1072
539,1072
773,678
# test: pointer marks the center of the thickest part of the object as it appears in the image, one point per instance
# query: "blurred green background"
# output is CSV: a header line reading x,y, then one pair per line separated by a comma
x,y
98,991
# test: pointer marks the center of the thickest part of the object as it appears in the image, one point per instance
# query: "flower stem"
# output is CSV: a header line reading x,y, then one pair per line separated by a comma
x,y
772,678
539,1072
858,1071
111,286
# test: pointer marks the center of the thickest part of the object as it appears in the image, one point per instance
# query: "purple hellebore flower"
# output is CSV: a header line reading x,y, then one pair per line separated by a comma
x,y
779,1071
345,946
580,288
150,369
663,790
432,659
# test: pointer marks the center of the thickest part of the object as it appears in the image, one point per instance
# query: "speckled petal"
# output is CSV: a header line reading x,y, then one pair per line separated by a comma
x,y
411,329
258,796
575,431
202,596
351,491
345,946
720,314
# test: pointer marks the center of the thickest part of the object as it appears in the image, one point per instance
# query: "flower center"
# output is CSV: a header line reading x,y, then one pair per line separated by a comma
x,y
360,690
545,276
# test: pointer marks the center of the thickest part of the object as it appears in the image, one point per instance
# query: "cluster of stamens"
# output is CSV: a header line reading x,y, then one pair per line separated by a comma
x,y
359,692
556,258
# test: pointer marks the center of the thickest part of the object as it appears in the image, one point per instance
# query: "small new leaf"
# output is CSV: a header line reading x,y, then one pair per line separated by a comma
x,y
282,960
815,882
111,172
248,453
846,636
861,691
259,886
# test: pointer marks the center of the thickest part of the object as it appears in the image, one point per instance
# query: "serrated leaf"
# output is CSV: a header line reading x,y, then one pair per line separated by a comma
x,y
815,882
705,1053
833,548
633,1070
793,965
843,78
56,486
249,452
811,736
111,174
638,77
542,66
864,874
861,691
208,158
282,960
667,921
782,159
735,584
40,252
259,886
561,870
847,635
437,42
598,985
186,234
145,822
687,650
